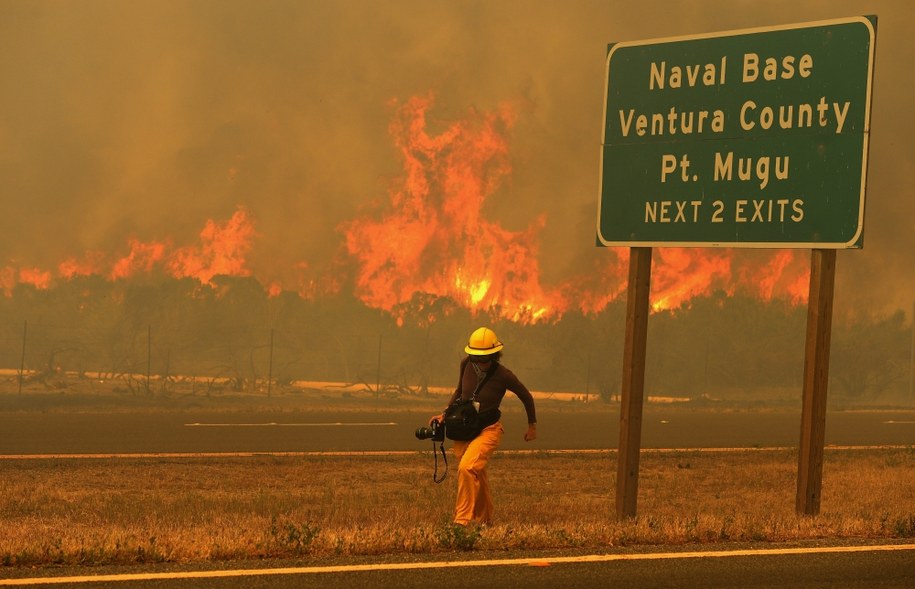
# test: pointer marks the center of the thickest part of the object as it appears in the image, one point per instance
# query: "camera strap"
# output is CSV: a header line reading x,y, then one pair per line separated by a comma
x,y
435,477
481,381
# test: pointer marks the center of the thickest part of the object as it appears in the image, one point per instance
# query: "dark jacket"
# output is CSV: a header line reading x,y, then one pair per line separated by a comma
x,y
493,390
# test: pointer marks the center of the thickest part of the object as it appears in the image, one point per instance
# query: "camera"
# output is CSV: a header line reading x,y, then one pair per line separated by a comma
x,y
435,431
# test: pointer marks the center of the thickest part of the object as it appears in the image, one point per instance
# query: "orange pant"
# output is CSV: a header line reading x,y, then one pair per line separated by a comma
x,y
474,500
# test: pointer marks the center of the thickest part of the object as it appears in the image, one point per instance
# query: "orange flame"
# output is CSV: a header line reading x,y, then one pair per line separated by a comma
x,y
143,257
71,267
679,274
36,277
8,280
433,238
785,271
222,250
10,276
429,248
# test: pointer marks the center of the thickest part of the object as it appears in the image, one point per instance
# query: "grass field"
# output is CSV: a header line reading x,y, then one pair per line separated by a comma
x,y
129,510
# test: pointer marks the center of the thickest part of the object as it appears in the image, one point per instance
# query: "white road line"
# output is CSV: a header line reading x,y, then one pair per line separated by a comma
x,y
201,455
274,424
545,561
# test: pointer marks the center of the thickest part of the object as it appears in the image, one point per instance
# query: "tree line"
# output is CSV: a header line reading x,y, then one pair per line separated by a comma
x,y
231,328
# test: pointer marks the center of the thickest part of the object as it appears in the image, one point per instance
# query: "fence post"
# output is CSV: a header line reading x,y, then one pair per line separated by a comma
x,y
148,355
270,365
25,330
378,373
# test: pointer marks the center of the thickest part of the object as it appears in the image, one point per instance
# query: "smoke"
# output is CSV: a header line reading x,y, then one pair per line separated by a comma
x,y
143,120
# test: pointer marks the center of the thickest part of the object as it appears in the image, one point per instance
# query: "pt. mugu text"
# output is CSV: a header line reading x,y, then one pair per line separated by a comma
x,y
762,168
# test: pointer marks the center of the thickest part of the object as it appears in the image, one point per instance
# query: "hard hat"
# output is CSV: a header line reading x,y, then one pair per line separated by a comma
x,y
483,342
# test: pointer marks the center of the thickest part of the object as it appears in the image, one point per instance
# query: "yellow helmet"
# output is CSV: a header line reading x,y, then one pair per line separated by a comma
x,y
483,342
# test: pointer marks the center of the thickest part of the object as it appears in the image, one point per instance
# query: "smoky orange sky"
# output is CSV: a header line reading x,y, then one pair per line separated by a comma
x,y
157,121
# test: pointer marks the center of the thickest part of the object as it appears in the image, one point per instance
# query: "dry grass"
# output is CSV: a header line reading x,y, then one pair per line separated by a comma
x,y
81,511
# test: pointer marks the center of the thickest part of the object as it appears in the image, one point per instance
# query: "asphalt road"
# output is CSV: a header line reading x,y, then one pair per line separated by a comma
x,y
214,431
888,569
202,431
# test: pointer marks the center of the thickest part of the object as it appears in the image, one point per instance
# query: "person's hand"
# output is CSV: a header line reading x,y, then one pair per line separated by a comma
x,y
531,434
440,418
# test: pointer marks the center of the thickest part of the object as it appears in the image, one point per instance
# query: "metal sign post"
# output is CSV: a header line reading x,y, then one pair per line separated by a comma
x,y
816,379
633,390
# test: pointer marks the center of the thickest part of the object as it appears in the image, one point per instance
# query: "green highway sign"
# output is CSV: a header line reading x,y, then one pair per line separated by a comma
x,y
751,138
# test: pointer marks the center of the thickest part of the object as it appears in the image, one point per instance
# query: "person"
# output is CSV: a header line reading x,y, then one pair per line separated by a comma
x,y
484,351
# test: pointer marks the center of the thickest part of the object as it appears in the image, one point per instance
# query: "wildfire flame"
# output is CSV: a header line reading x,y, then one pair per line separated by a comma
x,y
428,246
143,257
681,274
221,250
433,237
